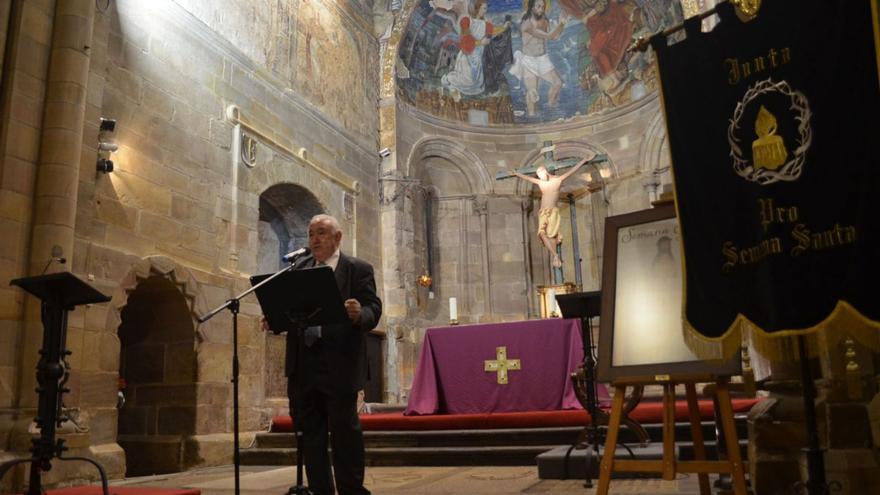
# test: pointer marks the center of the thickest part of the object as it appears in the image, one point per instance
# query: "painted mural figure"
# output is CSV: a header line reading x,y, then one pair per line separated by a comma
x,y
610,28
533,62
562,60
548,215
466,76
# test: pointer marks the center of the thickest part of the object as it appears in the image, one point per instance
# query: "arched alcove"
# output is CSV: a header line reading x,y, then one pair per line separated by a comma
x,y
446,176
158,372
285,211
468,165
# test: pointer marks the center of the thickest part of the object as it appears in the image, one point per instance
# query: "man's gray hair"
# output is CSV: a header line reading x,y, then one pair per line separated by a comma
x,y
323,217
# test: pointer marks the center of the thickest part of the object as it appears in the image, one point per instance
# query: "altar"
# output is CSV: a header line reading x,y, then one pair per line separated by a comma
x,y
501,367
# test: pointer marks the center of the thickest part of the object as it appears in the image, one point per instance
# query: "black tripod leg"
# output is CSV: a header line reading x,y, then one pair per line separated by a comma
x,y
592,403
6,466
293,391
588,477
299,488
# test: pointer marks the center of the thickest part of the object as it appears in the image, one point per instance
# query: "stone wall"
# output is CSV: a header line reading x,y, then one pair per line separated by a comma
x,y
25,69
324,50
180,203
486,253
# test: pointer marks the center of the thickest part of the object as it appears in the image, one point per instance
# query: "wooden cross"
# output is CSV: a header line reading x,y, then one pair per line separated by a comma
x,y
501,364
550,163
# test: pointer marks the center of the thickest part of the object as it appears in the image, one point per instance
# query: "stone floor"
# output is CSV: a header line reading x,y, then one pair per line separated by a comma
x,y
411,481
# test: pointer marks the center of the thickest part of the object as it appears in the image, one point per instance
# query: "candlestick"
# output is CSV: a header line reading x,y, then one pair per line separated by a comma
x,y
453,311
552,306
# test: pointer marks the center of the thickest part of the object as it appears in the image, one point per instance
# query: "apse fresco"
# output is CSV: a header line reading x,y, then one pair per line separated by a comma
x,y
533,61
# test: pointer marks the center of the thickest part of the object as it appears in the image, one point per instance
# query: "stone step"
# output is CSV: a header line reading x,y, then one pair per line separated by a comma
x,y
485,437
566,463
442,438
519,455
492,447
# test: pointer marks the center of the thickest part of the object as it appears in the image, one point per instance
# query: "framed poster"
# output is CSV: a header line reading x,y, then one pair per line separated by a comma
x,y
640,332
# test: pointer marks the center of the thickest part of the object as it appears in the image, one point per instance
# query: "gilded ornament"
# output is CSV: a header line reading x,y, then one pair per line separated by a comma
x,y
768,151
500,365
749,8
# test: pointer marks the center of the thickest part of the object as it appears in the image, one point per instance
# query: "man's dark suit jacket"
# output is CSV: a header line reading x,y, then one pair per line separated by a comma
x,y
344,344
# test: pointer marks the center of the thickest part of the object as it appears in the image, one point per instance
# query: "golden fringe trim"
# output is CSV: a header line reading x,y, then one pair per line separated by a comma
x,y
844,321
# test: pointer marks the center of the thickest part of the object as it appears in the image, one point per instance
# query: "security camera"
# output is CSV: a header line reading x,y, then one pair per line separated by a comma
x,y
385,152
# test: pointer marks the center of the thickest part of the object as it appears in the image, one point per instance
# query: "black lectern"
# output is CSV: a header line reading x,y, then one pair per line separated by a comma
x,y
298,298
295,300
60,293
586,306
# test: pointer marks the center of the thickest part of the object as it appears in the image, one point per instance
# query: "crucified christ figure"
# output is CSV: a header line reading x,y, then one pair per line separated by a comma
x,y
548,216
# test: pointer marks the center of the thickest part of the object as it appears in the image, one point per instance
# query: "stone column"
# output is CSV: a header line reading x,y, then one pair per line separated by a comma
x,y
845,395
843,411
465,304
400,347
481,208
527,206
57,183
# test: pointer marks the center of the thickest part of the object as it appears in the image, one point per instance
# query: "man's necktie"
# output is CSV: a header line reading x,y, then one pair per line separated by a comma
x,y
311,335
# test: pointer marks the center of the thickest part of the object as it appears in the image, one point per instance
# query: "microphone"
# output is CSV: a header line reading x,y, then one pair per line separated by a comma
x,y
293,255
59,259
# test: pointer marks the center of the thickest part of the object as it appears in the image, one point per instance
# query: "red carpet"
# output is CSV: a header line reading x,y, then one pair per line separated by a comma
x,y
96,490
644,413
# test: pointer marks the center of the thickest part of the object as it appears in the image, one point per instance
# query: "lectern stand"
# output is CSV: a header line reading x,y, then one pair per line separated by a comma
x,y
586,306
296,300
60,293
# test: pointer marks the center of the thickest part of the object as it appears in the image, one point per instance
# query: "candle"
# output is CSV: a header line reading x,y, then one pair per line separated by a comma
x,y
453,309
551,303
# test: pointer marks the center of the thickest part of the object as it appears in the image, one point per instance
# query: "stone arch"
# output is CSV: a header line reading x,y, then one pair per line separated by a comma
x,y
449,172
654,152
564,149
164,267
468,163
590,232
284,213
152,310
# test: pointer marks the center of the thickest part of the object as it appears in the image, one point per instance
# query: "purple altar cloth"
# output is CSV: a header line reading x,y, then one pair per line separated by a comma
x,y
450,377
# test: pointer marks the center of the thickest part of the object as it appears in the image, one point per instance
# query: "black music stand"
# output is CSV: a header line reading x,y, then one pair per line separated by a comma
x,y
586,306
300,298
294,301
59,293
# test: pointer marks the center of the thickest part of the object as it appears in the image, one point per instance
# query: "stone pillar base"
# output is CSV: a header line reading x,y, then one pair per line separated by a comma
x,y
857,470
68,473
160,454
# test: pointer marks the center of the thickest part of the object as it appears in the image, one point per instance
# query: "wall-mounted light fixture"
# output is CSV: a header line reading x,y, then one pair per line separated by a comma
x,y
106,147
603,169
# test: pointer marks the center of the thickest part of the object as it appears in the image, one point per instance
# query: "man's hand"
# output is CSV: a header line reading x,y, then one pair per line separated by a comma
x,y
264,324
353,308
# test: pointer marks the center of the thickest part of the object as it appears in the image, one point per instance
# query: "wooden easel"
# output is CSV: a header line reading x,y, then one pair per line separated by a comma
x,y
669,465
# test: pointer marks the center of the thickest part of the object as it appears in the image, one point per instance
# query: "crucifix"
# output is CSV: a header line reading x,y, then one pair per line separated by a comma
x,y
501,364
550,184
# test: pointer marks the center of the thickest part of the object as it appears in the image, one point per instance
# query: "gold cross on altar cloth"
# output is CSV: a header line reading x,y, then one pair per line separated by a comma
x,y
501,364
